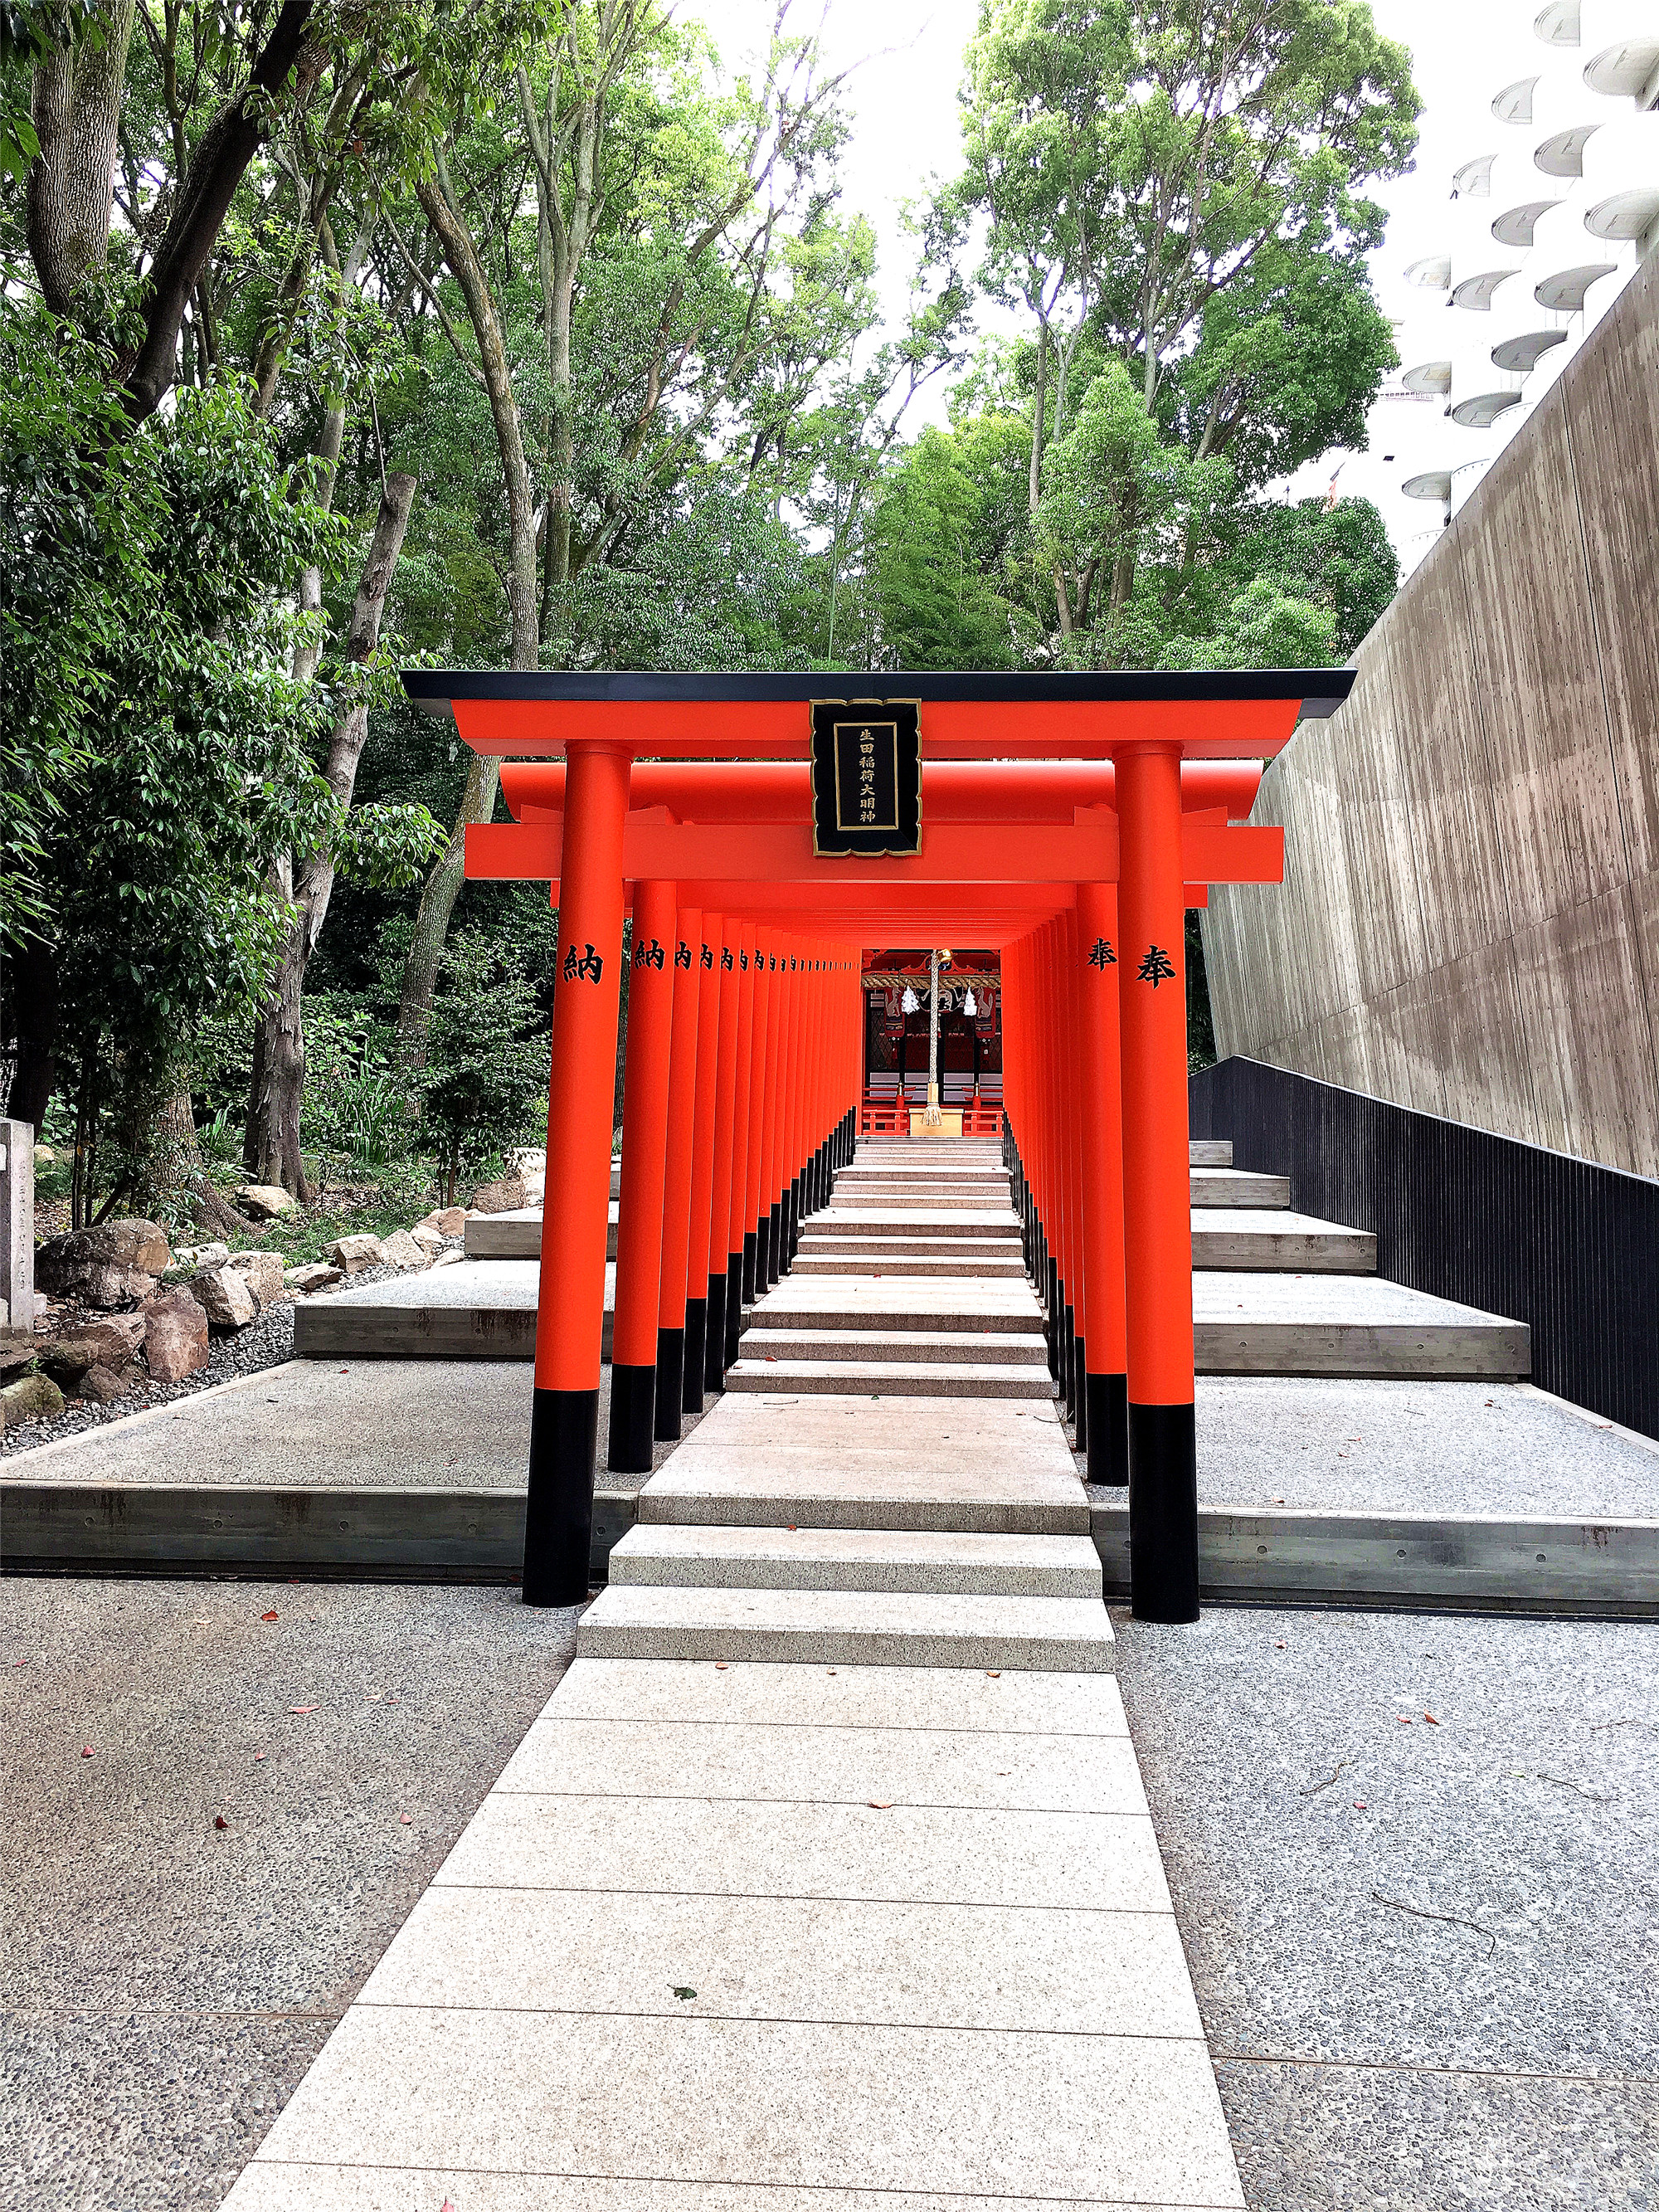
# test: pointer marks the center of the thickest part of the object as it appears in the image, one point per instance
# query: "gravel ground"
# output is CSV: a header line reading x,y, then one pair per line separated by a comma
x,y
167,1982
1488,2038
265,1342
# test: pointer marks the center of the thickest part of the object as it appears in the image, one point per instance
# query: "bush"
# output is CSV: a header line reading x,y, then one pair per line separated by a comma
x,y
487,1057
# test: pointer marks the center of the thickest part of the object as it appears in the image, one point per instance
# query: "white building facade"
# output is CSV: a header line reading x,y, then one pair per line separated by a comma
x,y
1547,219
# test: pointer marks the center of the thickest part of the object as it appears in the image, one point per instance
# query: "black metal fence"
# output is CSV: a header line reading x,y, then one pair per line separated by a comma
x,y
1569,1247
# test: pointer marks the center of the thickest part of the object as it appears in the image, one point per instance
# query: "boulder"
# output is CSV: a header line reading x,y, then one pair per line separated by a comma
x,y
200,1256
449,1258
103,1386
449,1220
176,1339
224,1298
307,1279
263,1273
115,1264
36,1398
45,1157
430,1240
400,1250
110,1342
506,1196
351,1255
265,1201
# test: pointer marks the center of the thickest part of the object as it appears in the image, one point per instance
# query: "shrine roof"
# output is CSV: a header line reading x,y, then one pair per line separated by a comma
x,y
1218,713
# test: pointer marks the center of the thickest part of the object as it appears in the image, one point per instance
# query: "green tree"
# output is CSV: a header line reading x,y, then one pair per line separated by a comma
x,y
487,1056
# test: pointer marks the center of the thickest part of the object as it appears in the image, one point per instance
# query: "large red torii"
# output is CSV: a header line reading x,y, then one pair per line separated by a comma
x,y
1063,818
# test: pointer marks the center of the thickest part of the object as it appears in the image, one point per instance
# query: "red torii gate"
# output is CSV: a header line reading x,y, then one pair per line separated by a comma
x,y
743,1066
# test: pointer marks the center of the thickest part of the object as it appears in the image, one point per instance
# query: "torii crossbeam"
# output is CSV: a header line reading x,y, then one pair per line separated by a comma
x,y
1067,820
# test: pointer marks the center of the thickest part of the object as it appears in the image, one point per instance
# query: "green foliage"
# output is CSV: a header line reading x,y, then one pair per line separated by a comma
x,y
937,608
487,1056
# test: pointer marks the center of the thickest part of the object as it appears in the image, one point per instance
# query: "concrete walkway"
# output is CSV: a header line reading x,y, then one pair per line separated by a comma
x,y
828,1869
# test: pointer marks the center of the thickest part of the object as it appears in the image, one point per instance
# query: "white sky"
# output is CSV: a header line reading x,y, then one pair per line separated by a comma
x,y
904,102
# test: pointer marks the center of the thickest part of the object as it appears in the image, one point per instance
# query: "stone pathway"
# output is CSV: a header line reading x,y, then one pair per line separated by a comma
x,y
827,1867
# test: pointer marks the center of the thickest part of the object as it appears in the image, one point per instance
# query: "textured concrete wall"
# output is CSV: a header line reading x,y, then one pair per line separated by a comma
x,y
1469,922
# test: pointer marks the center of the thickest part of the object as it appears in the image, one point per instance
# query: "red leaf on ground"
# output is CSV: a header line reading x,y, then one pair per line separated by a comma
x,y
879,1805
1431,1719
86,1751
302,1708
220,1821
407,1818
1358,1804
267,1616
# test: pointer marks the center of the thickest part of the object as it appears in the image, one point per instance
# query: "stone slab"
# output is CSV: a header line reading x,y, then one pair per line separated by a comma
x,y
848,1696
892,1378
1352,1325
897,1302
742,1847
518,1235
763,2104
474,1311
836,1219
846,1263
297,2187
1231,1186
1259,1237
831,1960
847,1628
909,1344
858,1558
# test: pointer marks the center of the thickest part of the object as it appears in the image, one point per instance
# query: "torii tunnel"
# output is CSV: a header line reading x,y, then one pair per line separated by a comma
x,y
1065,822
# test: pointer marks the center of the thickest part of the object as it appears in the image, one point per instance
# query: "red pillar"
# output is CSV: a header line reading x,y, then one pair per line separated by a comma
x,y
1158,1243
754,1262
702,1163
1100,1091
677,1182
740,1245
570,1307
645,1144
719,1202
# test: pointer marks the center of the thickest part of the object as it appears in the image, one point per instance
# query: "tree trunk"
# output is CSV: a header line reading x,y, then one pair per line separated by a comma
x,y
272,1146
1034,480
76,106
174,1175
31,978
205,192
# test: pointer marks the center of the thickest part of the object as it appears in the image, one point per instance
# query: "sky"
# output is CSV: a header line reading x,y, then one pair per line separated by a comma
x,y
903,101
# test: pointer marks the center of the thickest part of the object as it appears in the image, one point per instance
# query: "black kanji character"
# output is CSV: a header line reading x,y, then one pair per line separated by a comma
x,y
727,961
588,963
681,954
1102,956
648,956
707,957
743,962
1155,968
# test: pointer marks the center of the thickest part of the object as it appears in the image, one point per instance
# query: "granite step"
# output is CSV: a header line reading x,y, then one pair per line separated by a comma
x,y
889,1378
910,1260
903,1344
913,1561
849,1628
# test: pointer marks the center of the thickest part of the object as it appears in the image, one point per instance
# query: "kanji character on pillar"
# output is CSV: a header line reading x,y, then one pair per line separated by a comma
x,y
1155,968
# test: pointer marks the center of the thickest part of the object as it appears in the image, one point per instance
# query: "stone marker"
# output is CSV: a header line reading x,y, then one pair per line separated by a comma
x,y
264,1201
317,1278
351,1255
263,1273
401,1251
36,1398
223,1295
176,1336
506,1196
115,1264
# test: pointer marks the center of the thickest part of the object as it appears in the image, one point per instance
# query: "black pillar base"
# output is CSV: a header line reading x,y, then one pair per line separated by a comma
x,y
1163,1513
1051,1302
1109,1428
1080,1392
734,1305
774,1261
558,1529
670,1384
714,1363
1068,1356
751,1258
764,1277
633,1409
697,1350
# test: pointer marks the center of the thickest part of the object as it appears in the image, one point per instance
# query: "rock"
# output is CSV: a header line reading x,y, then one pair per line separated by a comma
x,y
224,1298
264,1201
400,1250
115,1264
36,1398
102,1386
430,1240
451,1221
307,1279
506,1196
449,1259
107,1343
45,1157
263,1273
176,1339
351,1255
200,1256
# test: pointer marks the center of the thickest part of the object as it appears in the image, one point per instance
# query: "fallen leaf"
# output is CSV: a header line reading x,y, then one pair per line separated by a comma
x,y
1431,1719
302,1708
1278,1647
719,1666
258,1756
268,1616
1404,1721
86,1751
877,1805
406,1818
1358,1804
681,1993
220,1821
994,1674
